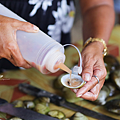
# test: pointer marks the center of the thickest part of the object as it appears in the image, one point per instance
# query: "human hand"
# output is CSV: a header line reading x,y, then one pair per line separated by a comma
x,y
93,64
8,44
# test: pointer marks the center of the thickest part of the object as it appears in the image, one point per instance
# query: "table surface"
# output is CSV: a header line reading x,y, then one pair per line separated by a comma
x,y
10,92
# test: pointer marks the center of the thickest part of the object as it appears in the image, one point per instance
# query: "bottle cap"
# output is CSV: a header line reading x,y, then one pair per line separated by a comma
x,y
77,70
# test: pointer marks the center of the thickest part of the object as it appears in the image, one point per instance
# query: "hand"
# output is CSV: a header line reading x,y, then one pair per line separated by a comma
x,y
93,64
8,44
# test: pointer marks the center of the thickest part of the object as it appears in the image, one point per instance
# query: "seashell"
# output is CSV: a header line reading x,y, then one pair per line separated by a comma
x,y
42,108
115,76
79,116
15,118
18,103
70,96
75,82
57,82
29,104
104,93
110,63
111,87
42,100
113,106
57,114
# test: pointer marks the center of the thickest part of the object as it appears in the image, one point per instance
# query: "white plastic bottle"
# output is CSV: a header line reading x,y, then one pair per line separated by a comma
x,y
40,50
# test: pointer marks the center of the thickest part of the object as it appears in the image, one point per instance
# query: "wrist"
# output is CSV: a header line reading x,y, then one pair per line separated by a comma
x,y
101,42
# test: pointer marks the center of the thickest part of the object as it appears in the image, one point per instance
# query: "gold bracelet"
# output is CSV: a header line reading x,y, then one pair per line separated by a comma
x,y
99,40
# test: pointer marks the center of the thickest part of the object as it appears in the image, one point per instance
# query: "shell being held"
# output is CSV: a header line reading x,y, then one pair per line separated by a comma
x,y
75,81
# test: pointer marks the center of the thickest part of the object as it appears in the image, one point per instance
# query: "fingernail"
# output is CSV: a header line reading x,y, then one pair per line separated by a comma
x,y
35,28
87,77
79,95
75,90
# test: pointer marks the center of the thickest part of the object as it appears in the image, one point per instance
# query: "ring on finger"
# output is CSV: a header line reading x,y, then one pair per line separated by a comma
x,y
96,78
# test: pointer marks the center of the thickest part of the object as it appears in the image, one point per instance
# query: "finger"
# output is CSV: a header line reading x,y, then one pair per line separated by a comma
x,y
11,51
89,96
88,86
8,56
74,90
25,65
15,62
19,60
25,26
100,71
87,69
15,55
93,93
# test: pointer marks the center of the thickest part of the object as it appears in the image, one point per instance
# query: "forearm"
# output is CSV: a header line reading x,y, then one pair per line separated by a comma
x,y
98,21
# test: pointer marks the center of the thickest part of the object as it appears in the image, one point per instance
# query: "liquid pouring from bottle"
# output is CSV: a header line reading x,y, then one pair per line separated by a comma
x,y
63,67
75,79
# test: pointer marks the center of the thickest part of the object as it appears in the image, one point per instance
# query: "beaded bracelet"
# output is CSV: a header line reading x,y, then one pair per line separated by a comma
x,y
99,40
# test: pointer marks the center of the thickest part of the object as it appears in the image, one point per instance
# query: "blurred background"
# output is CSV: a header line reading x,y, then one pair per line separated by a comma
x,y
76,33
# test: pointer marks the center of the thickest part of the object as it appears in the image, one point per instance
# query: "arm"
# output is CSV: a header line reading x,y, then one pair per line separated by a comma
x,y
98,21
98,18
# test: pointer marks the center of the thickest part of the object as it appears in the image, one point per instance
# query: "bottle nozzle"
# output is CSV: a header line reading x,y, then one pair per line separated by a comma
x,y
54,60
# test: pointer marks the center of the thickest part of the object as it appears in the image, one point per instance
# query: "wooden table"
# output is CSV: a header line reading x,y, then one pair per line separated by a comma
x,y
10,92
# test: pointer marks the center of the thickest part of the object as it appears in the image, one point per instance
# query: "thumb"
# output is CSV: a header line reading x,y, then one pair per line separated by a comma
x,y
26,26
87,71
